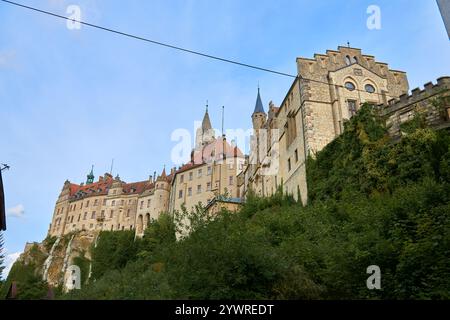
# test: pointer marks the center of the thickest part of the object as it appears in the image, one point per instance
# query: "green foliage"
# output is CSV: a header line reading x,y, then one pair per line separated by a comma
x,y
27,278
83,263
114,249
372,202
49,242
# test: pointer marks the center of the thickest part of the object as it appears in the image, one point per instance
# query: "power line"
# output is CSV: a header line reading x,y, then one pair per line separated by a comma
x,y
151,41
182,49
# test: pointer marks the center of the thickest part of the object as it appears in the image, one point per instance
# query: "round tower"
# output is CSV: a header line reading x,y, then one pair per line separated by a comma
x,y
259,115
162,192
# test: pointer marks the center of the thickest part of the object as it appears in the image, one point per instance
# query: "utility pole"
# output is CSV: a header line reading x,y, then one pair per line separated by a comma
x,y
2,199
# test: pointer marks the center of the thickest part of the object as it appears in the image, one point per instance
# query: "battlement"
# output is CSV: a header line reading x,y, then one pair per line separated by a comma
x,y
417,95
399,111
333,60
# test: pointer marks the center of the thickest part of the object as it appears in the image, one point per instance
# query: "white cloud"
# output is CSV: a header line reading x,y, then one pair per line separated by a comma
x,y
9,261
16,212
7,58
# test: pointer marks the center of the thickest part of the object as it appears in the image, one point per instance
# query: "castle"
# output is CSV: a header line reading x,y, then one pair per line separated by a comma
x,y
328,91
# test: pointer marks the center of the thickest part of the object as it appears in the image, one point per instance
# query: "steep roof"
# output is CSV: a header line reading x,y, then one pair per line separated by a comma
x,y
206,123
259,108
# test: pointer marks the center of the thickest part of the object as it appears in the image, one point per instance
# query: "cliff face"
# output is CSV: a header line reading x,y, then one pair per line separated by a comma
x,y
54,256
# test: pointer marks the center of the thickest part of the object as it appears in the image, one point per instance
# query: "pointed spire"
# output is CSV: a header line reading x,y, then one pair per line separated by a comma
x,y
90,176
206,123
163,174
259,106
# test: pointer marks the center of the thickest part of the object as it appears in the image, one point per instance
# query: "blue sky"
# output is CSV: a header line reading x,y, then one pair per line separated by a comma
x,y
72,98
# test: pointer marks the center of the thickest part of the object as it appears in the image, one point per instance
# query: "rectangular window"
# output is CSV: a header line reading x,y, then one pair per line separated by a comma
x,y
81,206
121,202
148,203
209,171
79,217
103,214
351,107
93,215
71,219
191,175
113,203
128,213
289,164
230,180
85,216
104,202
189,192
199,173
296,155
111,214
208,186
87,203
180,194
199,188
182,178
142,205
95,202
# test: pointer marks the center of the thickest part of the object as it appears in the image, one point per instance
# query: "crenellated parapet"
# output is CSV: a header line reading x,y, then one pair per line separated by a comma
x,y
433,102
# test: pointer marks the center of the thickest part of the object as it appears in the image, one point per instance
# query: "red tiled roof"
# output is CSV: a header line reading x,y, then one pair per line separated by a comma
x,y
135,187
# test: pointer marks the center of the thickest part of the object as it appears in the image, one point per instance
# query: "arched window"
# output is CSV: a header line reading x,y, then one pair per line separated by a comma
x,y
350,86
369,88
347,60
147,219
355,60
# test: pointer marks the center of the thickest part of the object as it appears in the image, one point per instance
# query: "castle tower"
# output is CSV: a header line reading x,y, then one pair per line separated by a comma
x,y
259,115
205,134
90,176
162,192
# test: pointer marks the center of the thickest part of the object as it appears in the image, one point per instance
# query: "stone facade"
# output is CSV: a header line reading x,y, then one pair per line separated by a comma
x,y
433,102
111,204
328,91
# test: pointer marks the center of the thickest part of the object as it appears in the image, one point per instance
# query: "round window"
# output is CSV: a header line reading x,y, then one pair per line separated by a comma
x,y
350,86
370,88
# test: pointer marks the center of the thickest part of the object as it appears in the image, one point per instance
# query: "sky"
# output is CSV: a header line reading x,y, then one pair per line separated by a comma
x,y
72,98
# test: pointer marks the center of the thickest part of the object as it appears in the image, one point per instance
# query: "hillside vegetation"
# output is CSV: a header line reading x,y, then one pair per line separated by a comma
x,y
371,202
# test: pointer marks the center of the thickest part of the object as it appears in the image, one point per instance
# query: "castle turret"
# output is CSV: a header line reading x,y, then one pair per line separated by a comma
x,y
205,134
162,192
259,115
90,176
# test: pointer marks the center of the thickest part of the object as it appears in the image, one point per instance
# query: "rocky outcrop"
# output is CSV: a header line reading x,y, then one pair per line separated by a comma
x,y
53,256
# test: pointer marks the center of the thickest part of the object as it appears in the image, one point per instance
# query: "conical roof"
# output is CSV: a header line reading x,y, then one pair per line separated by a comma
x,y
259,106
206,123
